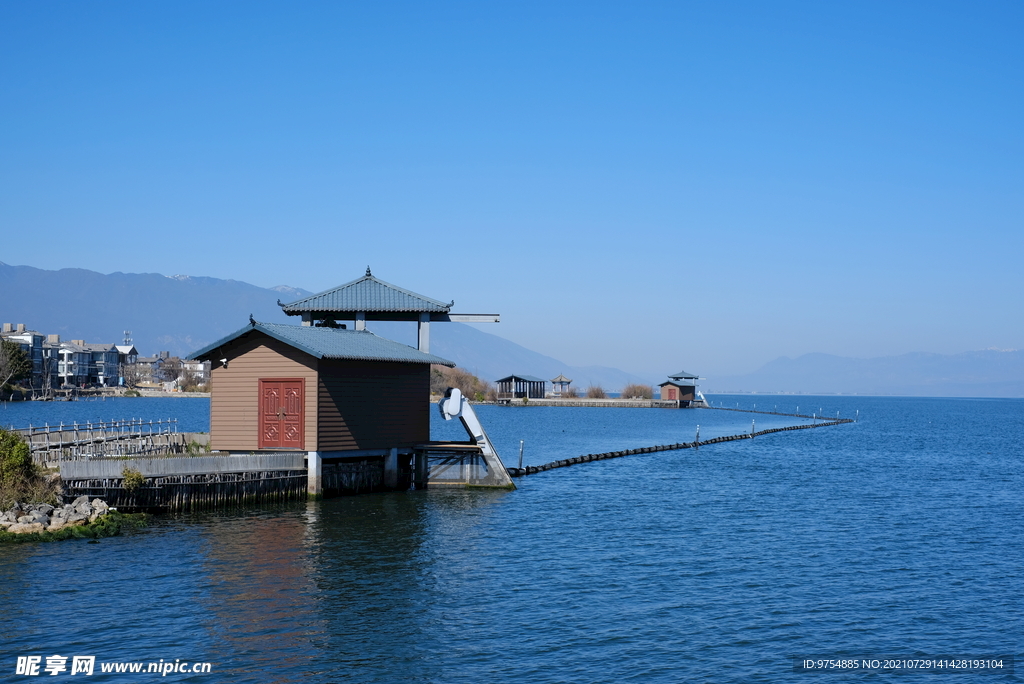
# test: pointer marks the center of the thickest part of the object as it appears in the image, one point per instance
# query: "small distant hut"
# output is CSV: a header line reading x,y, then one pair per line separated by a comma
x,y
560,385
520,387
681,387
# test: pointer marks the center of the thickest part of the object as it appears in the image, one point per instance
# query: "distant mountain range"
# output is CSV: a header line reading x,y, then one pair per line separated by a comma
x,y
182,313
988,373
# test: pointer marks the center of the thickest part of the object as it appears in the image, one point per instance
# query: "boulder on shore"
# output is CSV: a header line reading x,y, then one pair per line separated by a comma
x,y
24,518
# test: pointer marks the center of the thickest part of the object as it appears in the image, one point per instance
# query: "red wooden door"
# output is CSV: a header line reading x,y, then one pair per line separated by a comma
x,y
671,393
282,414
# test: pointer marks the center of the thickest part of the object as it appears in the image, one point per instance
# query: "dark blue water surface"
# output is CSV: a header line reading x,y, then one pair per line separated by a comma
x,y
899,534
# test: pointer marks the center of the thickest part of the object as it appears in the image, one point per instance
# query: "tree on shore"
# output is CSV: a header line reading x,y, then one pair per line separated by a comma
x,y
14,363
472,387
132,374
171,369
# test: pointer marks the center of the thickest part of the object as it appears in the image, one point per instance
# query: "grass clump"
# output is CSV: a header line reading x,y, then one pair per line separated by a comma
x,y
132,479
635,391
194,448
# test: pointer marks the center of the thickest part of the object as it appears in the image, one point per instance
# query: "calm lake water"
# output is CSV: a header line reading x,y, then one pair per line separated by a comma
x,y
900,534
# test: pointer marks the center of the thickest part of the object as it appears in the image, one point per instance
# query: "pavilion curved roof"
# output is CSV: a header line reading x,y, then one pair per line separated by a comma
x,y
367,294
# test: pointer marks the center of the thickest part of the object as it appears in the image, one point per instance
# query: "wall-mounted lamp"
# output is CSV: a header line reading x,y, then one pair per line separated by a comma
x,y
224,362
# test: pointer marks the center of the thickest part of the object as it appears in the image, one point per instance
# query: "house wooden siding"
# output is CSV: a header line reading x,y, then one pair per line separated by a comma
x,y
234,399
683,392
369,405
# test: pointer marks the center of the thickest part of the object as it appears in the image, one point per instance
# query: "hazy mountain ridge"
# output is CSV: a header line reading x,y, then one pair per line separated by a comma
x,y
177,314
491,357
983,373
182,313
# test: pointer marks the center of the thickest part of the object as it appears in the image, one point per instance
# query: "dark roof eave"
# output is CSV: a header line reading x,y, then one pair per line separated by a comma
x,y
208,350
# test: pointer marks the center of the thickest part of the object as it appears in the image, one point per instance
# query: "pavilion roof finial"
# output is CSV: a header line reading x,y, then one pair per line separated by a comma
x,y
368,271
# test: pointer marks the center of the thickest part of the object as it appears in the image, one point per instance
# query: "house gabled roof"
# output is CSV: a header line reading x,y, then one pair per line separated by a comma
x,y
683,375
527,378
676,383
329,343
366,294
99,347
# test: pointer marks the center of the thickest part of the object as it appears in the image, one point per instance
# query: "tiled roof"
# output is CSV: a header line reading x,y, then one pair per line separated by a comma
x,y
366,294
99,347
683,375
331,343
527,378
561,378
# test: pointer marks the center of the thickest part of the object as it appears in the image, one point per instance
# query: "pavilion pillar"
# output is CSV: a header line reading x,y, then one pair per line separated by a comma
x,y
314,475
421,471
423,330
360,320
391,469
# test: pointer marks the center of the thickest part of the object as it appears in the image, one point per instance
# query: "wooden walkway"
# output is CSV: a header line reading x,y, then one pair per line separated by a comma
x,y
116,438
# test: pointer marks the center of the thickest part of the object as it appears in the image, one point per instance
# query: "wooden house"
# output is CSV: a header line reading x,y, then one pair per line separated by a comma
x,y
681,387
328,391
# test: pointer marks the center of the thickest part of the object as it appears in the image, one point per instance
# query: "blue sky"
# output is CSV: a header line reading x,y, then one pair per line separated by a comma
x,y
650,186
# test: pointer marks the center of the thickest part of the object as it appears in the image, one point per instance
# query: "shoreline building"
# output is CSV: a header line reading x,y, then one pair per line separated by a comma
x,y
560,386
520,387
354,404
681,387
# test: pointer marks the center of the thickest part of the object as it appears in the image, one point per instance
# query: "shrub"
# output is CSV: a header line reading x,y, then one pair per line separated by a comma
x,y
193,384
133,479
472,387
635,391
194,448
571,393
596,392
20,478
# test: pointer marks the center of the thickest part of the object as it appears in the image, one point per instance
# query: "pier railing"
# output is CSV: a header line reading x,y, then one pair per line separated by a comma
x,y
103,439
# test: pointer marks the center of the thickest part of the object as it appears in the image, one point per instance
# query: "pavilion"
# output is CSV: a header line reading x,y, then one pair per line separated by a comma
x,y
560,385
371,299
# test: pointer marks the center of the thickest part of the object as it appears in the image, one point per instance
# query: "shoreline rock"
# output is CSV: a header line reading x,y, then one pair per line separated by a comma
x,y
24,518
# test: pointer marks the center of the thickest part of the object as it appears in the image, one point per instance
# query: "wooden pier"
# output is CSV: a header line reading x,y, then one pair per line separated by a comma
x,y
52,444
189,483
